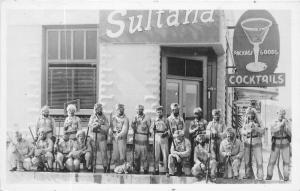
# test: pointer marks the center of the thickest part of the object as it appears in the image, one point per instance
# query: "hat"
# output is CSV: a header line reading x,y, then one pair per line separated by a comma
x,y
160,108
80,132
197,110
178,133
97,105
45,108
250,110
281,112
216,112
200,138
139,107
119,106
71,107
174,106
230,130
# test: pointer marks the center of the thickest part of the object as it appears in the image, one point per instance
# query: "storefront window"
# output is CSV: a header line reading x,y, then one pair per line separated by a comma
x,y
71,66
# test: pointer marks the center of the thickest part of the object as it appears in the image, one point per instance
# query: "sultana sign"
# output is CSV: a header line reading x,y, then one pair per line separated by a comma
x,y
256,50
160,26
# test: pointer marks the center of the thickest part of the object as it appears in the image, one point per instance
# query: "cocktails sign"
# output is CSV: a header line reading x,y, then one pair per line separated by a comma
x,y
256,49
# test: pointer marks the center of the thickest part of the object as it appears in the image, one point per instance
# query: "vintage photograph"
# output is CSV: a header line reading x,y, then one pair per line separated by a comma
x,y
147,96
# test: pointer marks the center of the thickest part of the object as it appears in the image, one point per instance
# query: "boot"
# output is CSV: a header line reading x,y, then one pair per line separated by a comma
x,y
146,171
105,169
13,169
269,177
156,172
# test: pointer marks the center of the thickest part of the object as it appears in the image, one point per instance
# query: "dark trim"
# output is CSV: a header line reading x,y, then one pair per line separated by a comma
x,y
79,26
64,65
43,69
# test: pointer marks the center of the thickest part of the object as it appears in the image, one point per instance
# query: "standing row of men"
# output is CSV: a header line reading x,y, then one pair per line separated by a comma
x,y
209,149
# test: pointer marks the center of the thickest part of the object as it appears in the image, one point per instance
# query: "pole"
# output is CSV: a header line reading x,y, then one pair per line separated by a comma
x,y
154,130
96,149
208,159
278,168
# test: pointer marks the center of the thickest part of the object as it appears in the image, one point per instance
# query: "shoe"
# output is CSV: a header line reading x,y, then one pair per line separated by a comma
x,y
269,177
156,172
108,170
213,179
146,171
286,179
168,174
13,169
236,177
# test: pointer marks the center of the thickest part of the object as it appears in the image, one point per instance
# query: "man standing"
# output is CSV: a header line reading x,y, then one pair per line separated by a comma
x,y
179,155
204,157
43,153
197,126
281,138
46,123
82,152
72,122
63,150
216,129
141,128
120,125
99,124
232,152
20,153
160,130
251,133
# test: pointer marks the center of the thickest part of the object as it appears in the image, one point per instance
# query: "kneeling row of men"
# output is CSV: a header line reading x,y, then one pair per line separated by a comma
x,y
209,144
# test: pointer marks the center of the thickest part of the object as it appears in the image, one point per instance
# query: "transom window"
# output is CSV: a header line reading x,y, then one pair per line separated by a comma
x,y
71,59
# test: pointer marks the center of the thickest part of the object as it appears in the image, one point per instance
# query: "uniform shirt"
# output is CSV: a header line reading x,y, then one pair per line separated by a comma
x,y
256,135
22,147
216,127
201,153
183,147
45,145
78,145
120,125
176,123
160,125
65,146
198,124
101,123
142,126
72,125
45,123
278,132
235,147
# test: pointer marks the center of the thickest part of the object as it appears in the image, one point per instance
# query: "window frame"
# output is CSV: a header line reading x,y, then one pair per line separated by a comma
x,y
45,61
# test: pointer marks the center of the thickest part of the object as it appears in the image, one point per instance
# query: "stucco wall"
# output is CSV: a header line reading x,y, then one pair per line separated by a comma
x,y
24,59
129,74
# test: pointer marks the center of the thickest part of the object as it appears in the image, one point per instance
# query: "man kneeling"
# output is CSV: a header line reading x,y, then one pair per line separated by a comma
x,y
43,153
63,150
202,156
180,153
232,151
81,152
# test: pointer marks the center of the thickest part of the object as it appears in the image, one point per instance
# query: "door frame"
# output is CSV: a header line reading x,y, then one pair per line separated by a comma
x,y
164,77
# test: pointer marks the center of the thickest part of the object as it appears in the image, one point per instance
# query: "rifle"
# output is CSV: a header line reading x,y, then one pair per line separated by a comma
x,y
133,145
57,144
154,130
279,172
250,169
208,159
110,151
96,149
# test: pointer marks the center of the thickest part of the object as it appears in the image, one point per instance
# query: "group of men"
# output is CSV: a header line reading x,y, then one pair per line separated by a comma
x,y
210,149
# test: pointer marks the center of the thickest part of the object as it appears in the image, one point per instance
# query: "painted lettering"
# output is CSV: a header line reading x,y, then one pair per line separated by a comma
x,y
119,23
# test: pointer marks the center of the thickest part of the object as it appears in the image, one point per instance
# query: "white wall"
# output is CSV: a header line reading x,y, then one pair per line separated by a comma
x,y
129,74
24,59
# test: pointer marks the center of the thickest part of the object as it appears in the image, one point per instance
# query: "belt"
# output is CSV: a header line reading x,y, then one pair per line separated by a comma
x,y
280,138
140,133
160,131
253,136
138,142
116,131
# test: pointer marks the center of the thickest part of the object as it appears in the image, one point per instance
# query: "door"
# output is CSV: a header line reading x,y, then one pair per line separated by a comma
x,y
187,94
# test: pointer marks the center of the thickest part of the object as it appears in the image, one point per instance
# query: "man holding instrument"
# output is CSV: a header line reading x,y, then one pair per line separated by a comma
x,y
180,153
20,153
141,128
98,124
204,158
45,122
232,152
161,135
72,122
281,138
252,132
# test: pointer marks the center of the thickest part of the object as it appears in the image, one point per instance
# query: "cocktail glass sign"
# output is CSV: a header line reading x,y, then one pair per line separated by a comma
x,y
256,51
